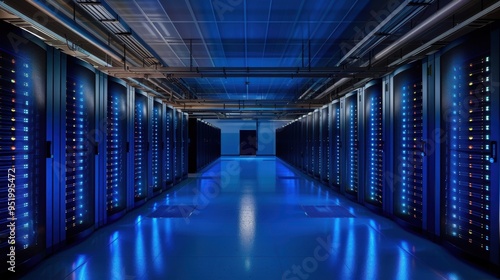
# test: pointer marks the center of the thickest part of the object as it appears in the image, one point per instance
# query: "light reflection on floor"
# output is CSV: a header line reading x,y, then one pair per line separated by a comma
x,y
249,224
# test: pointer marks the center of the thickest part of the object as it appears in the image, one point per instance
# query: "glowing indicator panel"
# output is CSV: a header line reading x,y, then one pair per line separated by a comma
x,y
116,162
408,145
80,148
351,145
317,160
325,145
140,147
336,146
168,151
22,130
156,147
373,146
467,120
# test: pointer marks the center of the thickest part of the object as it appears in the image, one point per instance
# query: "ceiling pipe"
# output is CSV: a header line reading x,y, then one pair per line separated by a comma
x,y
358,46
90,39
165,88
448,33
375,30
332,87
440,15
144,87
76,29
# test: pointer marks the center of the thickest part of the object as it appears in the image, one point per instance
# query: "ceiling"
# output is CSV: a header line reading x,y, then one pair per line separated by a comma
x,y
240,58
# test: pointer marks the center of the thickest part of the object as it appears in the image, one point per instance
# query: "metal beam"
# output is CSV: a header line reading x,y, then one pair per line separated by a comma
x,y
239,72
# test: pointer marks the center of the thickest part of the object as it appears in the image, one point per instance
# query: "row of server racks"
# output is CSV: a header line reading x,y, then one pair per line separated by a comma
x,y
204,145
78,149
419,145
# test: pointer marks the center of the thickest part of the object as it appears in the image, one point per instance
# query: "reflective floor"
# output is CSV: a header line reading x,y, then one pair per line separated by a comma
x,y
250,223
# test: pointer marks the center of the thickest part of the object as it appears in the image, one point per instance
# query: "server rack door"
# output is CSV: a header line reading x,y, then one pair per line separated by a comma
x,y
325,140
408,145
23,76
169,150
303,143
373,144
336,144
185,144
310,146
470,117
350,149
116,138
141,143
296,143
316,143
80,149
156,155
196,157
178,146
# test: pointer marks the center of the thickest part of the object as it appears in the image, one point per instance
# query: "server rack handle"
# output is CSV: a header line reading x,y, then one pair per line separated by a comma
x,y
493,152
127,147
96,148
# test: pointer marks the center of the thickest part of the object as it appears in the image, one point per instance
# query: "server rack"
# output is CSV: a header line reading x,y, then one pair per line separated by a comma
x,y
296,143
470,113
336,145
373,125
185,144
204,144
303,141
349,136
325,144
168,155
408,169
23,126
155,167
117,147
141,147
316,143
80,149
177,146
309,143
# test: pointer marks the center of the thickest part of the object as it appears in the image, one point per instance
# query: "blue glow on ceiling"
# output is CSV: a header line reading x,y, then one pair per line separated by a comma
x,y
242,33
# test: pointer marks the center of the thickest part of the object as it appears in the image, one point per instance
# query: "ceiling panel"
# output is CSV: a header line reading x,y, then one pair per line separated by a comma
x,y
259,33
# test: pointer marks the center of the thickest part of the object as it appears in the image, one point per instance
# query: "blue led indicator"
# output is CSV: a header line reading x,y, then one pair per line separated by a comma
x,y
467,163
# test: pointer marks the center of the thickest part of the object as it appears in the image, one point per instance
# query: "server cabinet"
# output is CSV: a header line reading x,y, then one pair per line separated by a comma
x,y
80,148
204,144
408,180
296,143
336,145
309,144
168,155
316,143
196,145
303,143
185,144
325,144
116,153
349,134
470,113
373,146
177,146
155,167
23,87
141,147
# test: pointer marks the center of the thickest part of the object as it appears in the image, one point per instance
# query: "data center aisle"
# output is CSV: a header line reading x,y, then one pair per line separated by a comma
x,y
250,222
